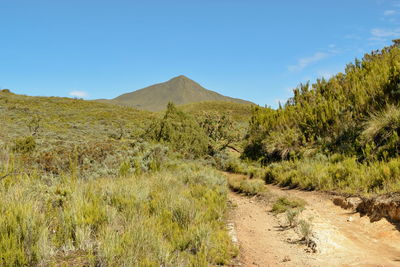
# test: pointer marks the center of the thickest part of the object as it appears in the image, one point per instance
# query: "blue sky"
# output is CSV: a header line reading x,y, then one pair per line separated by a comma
x,y
251,49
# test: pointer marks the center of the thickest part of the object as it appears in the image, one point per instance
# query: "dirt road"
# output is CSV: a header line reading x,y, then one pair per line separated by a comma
x,y
342,238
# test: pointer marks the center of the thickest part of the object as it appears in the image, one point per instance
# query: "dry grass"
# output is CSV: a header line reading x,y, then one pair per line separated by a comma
x,y
243,185
173,217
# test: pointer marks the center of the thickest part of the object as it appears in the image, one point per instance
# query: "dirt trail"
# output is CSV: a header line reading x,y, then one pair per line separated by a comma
x,y
343,238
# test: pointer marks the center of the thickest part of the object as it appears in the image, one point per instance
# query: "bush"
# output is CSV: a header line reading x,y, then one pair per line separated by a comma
x,y
328,115
284,204
381,134
25,144
305,229
242,184
291,217
22,231
252,187
282,145
344,175
180,131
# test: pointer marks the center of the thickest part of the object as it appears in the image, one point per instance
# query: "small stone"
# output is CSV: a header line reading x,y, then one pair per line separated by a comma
x,y
286,259
350,219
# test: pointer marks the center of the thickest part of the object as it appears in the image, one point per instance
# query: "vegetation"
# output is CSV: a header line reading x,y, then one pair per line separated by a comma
x,y
236,111
337,173
180,131
283,204
291,217
81,183
306,231
133,220
92,184
340,134
250,187
54,120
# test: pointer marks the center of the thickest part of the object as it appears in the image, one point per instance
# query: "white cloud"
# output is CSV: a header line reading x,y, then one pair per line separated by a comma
x,y
389,12
304,62
80,94
382,33
352,36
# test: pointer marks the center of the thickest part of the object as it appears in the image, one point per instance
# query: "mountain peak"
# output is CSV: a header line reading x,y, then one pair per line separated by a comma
x,y
180,90
180,78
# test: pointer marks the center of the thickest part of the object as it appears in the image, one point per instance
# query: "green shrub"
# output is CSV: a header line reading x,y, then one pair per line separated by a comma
x,y
283,144
284,204
346,175
25,144
124,168
252,187
242,184
381,133
22,229
305,229
329,115
291,216
180,131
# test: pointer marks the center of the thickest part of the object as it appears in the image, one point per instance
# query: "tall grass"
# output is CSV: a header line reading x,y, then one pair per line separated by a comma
x,y
171,217
337,173
381,134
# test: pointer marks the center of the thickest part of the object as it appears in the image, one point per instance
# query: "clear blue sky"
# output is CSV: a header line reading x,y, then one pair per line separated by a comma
x,y
255,50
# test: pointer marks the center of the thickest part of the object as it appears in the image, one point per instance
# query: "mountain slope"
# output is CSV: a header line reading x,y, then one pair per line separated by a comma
x,y
180,90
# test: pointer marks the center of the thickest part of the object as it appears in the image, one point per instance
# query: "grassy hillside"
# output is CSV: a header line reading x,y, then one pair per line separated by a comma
x,y
66,119
47,133
337,134
88,184
179,90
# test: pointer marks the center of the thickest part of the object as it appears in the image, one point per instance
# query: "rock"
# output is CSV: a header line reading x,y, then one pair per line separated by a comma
x,y
340,201
381,207
350,219
286,259
311,245
232,233
353,202
347,203
376,208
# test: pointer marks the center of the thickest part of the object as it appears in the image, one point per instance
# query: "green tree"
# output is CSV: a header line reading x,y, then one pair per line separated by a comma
x,y
180,131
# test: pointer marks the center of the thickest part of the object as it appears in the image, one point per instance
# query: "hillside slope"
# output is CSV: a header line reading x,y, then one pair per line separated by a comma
x,y
340,134
73,173
65,119
238,112
179,90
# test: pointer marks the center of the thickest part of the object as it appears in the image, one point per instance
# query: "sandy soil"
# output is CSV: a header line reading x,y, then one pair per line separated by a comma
x,y
343,238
